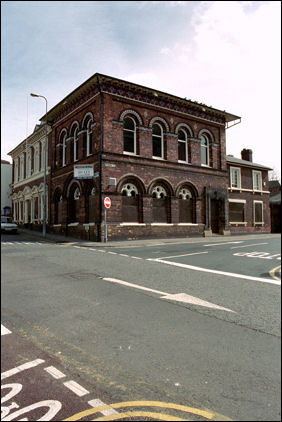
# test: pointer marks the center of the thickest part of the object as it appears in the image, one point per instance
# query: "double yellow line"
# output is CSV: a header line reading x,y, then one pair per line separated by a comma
x,y
273,272
160,416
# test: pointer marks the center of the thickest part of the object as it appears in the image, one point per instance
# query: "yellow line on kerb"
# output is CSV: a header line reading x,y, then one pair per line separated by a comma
x,y
273,271
92,411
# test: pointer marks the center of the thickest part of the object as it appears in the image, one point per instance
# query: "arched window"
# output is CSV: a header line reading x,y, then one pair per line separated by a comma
x,y
92,199
36,160
160,204
64,149
89,138
158,141
75,145
205,159
186,206
74,205
130,203
182,147
129,135
58,208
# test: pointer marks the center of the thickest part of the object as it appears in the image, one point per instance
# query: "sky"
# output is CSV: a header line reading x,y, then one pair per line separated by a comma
x,y
225,54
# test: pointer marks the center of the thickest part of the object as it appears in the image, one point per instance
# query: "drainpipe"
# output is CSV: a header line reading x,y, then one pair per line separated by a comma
x,y
100,159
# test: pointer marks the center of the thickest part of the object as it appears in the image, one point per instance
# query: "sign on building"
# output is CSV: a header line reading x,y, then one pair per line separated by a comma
x,y
84,171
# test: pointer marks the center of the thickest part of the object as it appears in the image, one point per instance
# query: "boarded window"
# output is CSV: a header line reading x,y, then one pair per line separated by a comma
x,y
236,212
258,214
130,203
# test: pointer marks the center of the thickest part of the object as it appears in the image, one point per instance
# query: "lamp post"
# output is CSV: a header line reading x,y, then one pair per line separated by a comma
x,y
44,159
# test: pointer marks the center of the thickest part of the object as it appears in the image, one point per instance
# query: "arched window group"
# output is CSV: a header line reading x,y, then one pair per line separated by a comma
x,y
77,143
132,195
160,129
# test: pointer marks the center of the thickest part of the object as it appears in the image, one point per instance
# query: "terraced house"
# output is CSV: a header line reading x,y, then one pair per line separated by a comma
x,y
160,158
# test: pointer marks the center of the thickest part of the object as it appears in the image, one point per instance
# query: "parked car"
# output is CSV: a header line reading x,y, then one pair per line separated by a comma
x,y
8,225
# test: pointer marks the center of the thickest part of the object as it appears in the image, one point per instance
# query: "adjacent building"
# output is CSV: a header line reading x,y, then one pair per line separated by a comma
x,y
6,189
160,158
28,176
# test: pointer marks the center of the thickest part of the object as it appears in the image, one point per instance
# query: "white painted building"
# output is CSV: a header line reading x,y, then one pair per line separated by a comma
x,y
6,180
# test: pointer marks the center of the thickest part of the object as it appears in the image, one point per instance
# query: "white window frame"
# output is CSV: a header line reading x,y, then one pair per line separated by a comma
x,y
64,150
240,201
75,143
207,146
233,171
134,133
88,133
186,146
161,157
256,174
254,213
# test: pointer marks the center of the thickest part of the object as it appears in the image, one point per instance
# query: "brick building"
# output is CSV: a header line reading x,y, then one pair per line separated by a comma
x,y
160,158
248,194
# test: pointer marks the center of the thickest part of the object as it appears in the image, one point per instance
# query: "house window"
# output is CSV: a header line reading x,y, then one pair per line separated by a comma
x,y
182,147
129,136
235,177
258,212
257,181
158,144
204,150
237,212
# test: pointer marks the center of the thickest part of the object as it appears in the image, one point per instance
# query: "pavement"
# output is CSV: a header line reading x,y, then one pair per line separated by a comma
x,y
51,237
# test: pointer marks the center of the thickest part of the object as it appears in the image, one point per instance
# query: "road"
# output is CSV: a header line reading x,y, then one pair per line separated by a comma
x,y
158,331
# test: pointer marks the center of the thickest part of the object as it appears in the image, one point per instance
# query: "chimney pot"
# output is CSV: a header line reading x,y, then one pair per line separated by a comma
x,y
247,154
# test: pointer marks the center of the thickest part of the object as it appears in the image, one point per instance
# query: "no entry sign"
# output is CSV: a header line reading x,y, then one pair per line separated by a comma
x,y
107,202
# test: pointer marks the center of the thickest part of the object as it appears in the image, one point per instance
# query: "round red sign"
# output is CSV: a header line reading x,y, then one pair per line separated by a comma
x,y
107,202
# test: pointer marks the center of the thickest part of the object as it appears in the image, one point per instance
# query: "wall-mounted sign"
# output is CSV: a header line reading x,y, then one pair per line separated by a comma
x,y
83,171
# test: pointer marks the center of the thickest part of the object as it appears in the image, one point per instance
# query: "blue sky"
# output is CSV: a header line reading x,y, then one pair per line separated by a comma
x,y
224,54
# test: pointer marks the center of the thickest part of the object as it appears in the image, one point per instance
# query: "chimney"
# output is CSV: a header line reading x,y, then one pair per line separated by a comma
x,y
247,154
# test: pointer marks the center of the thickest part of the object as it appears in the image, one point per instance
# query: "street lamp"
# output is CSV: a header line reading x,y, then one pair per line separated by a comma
x,y
44,159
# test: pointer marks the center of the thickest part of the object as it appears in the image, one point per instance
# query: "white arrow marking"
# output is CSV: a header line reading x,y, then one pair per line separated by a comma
x,y
179,297
183,297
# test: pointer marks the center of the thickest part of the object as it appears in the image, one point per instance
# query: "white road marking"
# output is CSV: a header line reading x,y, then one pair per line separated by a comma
x,y
247,246
76,388
224,243
136,286
184,298
207,270
178,256
136,257
4,330
122,254
256,254
21,368
54,372
113,253
98,403
179,297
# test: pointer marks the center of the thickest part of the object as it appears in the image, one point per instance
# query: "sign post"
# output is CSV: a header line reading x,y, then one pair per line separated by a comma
x,y
107,205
